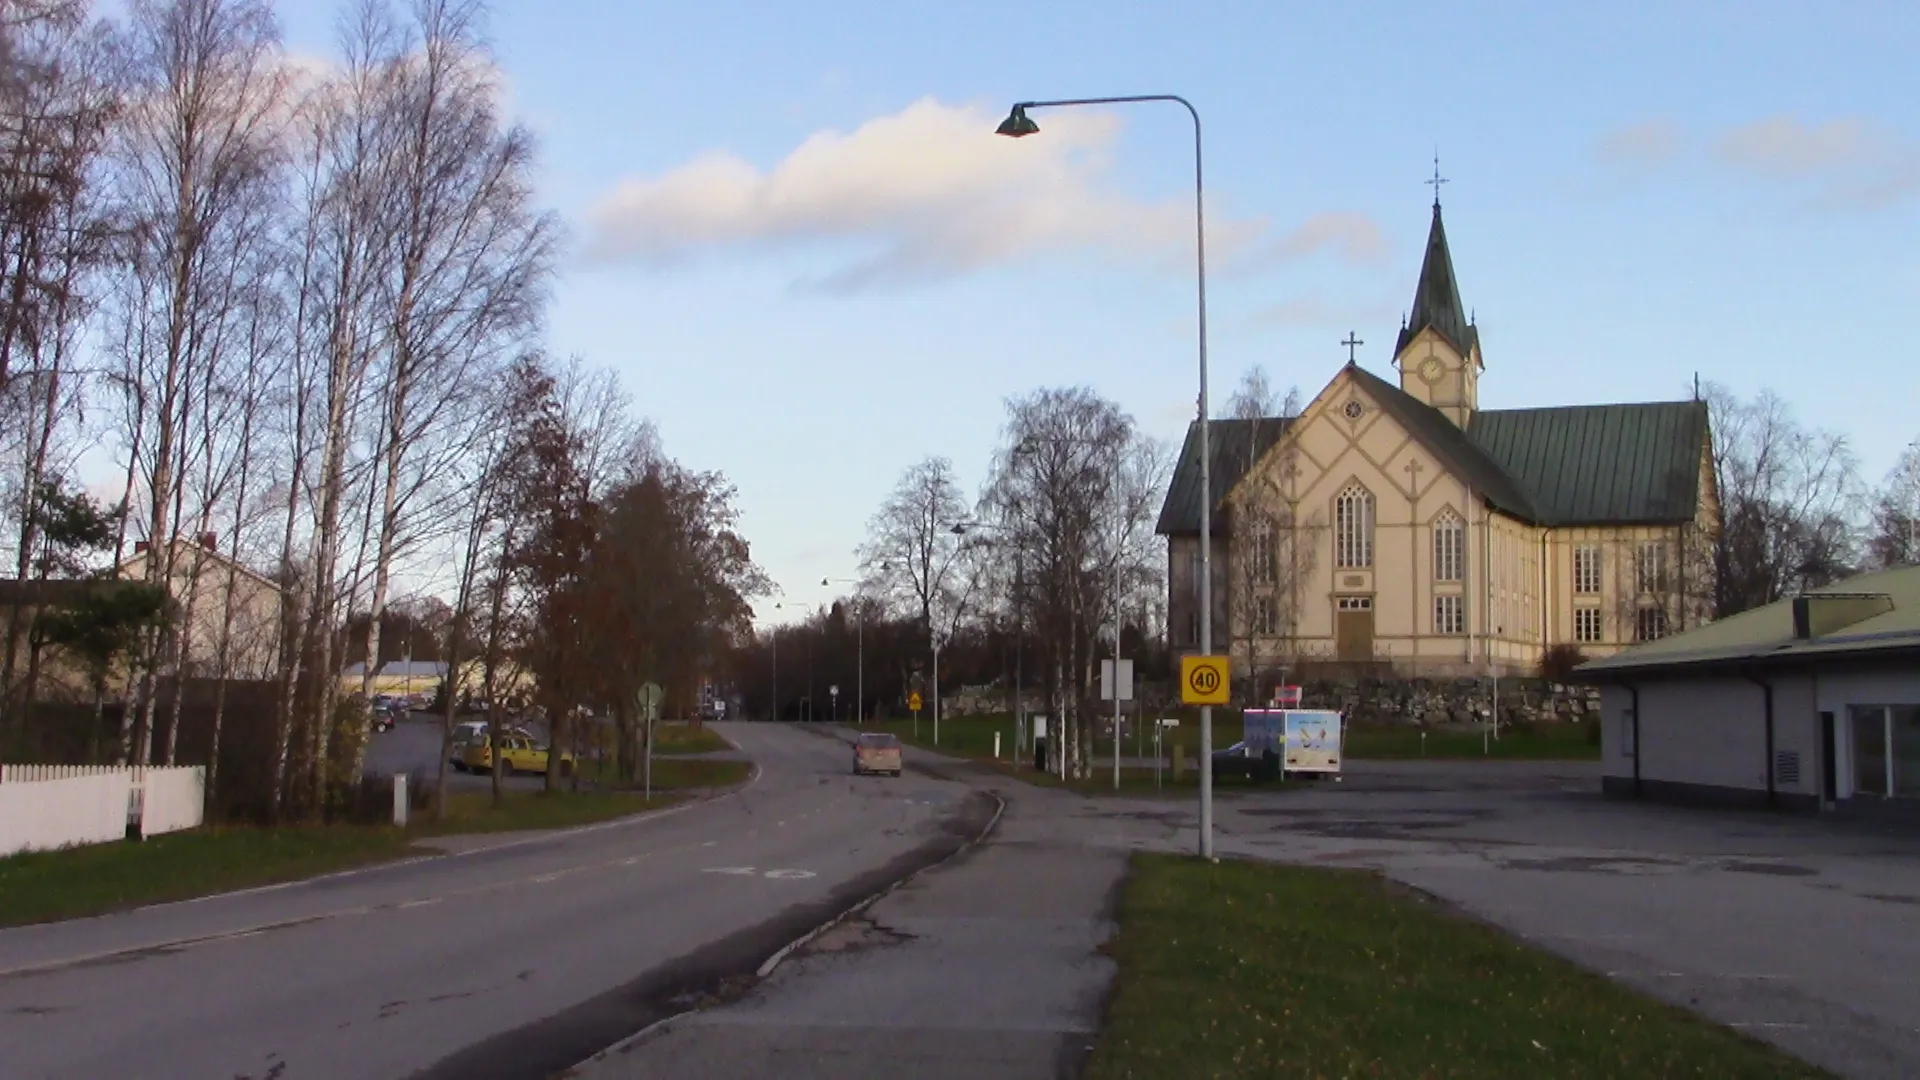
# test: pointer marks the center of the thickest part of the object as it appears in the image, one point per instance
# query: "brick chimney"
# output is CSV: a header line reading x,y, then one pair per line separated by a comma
x,y
210,541
139,547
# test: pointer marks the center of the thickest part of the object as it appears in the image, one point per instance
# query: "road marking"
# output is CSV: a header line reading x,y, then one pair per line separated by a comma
x,y
788,875
544,878
420,903
711,843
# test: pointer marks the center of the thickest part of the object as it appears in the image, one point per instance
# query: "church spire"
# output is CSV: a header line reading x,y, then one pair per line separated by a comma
x,y
1436,299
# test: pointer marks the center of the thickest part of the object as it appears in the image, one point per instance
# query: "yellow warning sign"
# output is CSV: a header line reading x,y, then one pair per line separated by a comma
x,y
1203,680
913,701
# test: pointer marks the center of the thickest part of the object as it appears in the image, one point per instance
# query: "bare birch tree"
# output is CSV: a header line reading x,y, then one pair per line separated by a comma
x,y
468,262
197,147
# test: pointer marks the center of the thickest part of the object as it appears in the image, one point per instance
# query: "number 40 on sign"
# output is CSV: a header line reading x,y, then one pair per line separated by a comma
x,y
1204,680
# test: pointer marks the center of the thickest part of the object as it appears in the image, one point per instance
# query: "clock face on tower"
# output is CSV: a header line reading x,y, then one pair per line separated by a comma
x,y
1431,369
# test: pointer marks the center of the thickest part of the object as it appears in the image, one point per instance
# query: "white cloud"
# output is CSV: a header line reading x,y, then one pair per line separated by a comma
x,y
1353,237
1848,163
1648,145
1317,309
1790,146
926,193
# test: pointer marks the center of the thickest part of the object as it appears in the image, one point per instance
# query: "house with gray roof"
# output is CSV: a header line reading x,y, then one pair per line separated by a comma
x,y
1395,524
1810,702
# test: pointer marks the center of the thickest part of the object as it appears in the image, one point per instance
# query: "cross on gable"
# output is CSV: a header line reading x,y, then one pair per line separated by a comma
x,y
1353,342
1437,178
1413,469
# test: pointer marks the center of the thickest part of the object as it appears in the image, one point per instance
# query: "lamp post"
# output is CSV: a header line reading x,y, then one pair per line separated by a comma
x,y
773,705
860,648
1019,125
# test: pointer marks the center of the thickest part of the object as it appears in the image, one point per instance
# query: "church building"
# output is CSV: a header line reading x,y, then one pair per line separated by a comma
x,y
1394,525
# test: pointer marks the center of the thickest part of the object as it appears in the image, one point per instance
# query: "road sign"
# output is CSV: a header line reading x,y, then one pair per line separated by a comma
x,y
834,690
913,701
1106,680
650,697
1203,680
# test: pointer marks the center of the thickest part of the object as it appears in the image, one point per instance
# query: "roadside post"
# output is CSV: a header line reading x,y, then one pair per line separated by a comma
x,y
833,703
1205,681
400,799
913,705
1116,685
649,701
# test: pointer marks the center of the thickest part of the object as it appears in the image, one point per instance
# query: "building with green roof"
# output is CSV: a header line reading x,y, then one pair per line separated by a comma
x,y
1395,524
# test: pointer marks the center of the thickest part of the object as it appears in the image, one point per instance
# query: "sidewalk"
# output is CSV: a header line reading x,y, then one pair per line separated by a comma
x,y
988,966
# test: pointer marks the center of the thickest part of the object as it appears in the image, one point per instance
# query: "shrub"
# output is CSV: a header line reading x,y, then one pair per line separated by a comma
x,y
1558,662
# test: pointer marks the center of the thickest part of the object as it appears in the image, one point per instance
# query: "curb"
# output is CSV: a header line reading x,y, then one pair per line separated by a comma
x,y
772,962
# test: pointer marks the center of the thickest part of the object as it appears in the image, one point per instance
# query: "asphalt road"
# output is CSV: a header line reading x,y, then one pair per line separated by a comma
x,y
512,961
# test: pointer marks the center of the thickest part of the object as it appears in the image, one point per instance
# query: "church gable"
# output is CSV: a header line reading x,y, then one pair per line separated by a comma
x,y
1446,442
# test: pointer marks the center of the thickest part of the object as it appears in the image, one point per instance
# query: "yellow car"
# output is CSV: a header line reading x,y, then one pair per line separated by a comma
x,y
518,753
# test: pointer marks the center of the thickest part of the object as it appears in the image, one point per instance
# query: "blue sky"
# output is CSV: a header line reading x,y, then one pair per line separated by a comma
x,y
1638,192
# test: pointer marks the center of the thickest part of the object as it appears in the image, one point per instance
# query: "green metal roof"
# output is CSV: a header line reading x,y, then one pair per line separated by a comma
x,y
1228,441
1765,636
1601,464
1635,464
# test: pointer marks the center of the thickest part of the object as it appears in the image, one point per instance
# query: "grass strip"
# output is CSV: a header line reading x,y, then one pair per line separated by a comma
x,y
1237,969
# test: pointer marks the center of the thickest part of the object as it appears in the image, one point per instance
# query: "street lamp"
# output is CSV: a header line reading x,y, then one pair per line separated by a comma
x,y
1019,125
860,647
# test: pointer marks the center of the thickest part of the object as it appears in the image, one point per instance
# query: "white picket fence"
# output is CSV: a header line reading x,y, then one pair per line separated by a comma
x,y
54,806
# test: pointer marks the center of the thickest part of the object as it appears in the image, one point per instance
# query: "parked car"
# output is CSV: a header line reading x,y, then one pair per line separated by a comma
x,y
1242,759
519,752
470,733
876,752
384,718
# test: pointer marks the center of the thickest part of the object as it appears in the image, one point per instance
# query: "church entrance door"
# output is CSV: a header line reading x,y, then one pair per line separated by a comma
x,y
1353,628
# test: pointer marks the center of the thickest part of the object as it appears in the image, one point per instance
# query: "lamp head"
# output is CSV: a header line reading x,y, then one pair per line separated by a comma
x,y
1018,124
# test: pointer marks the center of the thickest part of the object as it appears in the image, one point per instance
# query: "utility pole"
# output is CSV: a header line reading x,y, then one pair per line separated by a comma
x,y
1119,541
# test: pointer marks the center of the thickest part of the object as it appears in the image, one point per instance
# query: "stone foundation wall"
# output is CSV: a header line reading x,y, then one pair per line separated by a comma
x,y
1432,702
1373,699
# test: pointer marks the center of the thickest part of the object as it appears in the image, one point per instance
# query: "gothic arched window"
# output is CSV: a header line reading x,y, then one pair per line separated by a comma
x,y
1353,528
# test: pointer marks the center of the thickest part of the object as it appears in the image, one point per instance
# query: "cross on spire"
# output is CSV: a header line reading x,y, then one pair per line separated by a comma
x,y
1437,178
1353,342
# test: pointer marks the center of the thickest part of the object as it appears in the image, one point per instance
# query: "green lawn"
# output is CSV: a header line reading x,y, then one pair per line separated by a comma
x,y
1543,742
47,885
1238,969
44,885
687,739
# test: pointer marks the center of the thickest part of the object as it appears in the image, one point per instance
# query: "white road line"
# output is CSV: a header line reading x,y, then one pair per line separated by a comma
x,y
365,909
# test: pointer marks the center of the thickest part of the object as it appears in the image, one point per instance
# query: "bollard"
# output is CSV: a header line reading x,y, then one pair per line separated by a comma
x,y
996,746
400,799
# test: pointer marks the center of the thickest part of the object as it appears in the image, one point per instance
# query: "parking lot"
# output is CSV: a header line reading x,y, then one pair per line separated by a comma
x,y
413,747
1804,931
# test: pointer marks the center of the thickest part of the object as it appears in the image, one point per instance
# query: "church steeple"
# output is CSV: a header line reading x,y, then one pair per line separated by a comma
x,y
1436,299
1438,352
